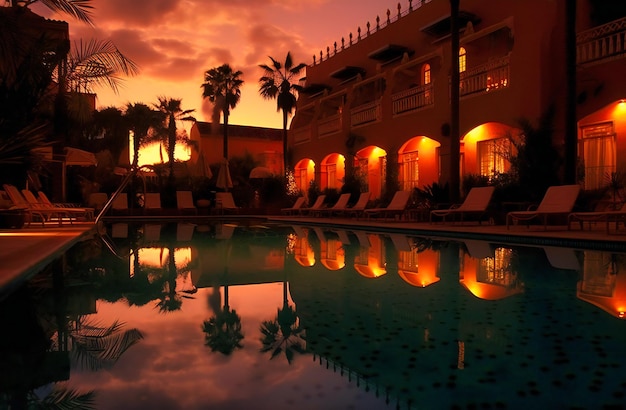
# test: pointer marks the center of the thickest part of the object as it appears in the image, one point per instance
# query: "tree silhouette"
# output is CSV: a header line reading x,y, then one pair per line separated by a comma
x,y
223,331
276,83
283,334
222,87
172,112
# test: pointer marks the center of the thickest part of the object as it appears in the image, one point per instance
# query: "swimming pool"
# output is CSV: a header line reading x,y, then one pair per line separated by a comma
x,y
251,315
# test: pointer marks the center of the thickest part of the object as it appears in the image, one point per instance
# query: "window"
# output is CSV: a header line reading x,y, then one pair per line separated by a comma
x,y
462,59
493,156
598,147
426,74
409,172
332,175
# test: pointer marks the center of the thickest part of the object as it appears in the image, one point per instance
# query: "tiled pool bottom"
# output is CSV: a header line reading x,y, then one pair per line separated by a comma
x,y
354,331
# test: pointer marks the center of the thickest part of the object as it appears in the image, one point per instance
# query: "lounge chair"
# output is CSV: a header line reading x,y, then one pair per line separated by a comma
x,y
317,205
557,201
341,204
607,216
76,211
44,214
184,203
120,204
295,208
397,206
225,202
357,209
97,200
476,203
152,203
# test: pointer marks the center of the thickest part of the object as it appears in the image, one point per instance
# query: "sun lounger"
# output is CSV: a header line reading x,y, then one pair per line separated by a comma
x,y
33,210
295,208
77,211
341,204
607,216
184,203
225,202
557,201
355,210
397,206
476,203
317,205
152,203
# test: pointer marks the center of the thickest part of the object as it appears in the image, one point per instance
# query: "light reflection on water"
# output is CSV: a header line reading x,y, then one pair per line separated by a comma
x,y
256,317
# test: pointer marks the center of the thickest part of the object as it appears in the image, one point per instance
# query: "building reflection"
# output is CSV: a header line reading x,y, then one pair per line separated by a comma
x,y
487,273
603,282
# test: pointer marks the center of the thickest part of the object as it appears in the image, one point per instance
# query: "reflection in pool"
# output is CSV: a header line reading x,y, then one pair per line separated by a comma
x,y
277,316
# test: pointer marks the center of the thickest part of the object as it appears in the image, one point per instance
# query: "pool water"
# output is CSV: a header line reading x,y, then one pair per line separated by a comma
x,y
251,315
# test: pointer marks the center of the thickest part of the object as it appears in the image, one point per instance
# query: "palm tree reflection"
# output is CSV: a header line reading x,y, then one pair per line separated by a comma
x,y
223,330
284,333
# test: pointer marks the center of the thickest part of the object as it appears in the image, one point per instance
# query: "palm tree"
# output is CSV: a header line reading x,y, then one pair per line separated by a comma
x,y
140,119
276,83
171,110
221,87
79,9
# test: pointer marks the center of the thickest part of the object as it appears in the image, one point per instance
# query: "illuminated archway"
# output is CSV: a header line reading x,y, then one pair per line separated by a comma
x,y
418,163
370,164
332,171
602,143
486,149
304,173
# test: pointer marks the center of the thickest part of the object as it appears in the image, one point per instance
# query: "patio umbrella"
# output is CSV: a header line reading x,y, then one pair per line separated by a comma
x,y
201,167
260,173
223,176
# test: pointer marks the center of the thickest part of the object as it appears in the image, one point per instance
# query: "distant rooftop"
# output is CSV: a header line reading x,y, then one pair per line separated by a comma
x,y
242,131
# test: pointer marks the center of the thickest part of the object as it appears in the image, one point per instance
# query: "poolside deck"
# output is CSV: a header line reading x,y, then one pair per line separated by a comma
x,y
24,252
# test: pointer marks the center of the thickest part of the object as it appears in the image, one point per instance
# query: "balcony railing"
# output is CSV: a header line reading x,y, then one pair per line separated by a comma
x,y
329,125
365,113
302,134
412,99
487,77
602,43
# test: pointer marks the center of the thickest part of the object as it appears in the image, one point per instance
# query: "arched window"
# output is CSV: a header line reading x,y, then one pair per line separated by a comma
x,y
426,74
462,59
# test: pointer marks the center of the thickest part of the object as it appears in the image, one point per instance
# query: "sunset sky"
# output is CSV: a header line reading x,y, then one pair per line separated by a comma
x,y
175,41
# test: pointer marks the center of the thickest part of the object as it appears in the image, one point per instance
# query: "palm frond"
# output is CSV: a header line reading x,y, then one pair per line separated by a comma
x,y
79,9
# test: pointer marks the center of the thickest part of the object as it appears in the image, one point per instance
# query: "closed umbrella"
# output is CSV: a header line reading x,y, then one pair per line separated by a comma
x,y
223,176
201,167
261,172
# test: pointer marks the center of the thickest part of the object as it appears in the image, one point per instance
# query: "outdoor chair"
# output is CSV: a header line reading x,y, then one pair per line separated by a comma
x,y
397,206
557,201
341,204
120,204
184,203
317,205
476,203
33,210
152,203
295,208
97,200
607,216
225,202
78,211
357,209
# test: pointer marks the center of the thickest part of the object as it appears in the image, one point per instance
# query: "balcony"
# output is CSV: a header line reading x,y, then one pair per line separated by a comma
x,y
602,43
487,77
412,99
301,135
329,125
365,113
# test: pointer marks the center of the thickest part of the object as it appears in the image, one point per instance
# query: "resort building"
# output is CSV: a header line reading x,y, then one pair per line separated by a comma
x,y
379,99
264,144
